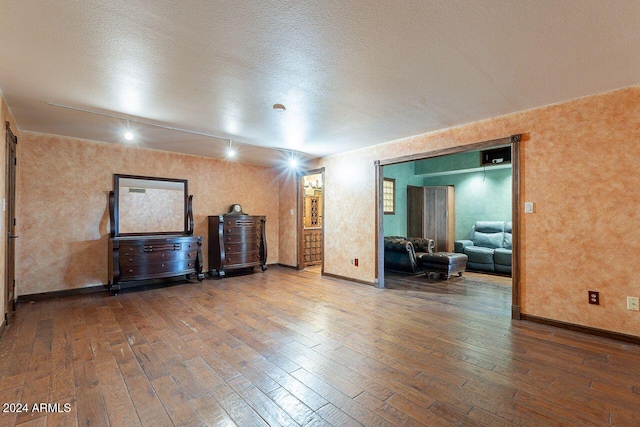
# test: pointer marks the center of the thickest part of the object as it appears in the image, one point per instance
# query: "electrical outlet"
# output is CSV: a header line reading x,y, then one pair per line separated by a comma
x,y
351,261
594,297
355,262
632,304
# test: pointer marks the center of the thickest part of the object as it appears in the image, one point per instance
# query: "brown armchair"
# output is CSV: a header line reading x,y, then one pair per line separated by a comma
x,y
402,254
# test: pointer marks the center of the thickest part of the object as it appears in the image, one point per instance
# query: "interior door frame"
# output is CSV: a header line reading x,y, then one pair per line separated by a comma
x,y
300,219
514,142
11,164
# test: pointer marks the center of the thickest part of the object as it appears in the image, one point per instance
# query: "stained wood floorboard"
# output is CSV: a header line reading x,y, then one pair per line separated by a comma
x,y
292,348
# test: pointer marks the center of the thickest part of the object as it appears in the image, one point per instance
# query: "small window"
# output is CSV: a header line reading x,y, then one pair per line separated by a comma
x,y
389,196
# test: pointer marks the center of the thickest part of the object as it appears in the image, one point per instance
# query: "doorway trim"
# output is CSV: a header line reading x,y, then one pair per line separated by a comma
x,y
10,223
300,218
514,142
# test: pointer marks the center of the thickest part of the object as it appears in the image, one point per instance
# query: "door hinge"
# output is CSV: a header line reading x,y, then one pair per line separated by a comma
x,y
14,222
15,160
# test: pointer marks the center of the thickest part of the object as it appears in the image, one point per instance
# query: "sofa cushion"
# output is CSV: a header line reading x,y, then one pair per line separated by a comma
x,y
502,256
478,254
478,266
488,240
489,226
507,236
506,244
505,269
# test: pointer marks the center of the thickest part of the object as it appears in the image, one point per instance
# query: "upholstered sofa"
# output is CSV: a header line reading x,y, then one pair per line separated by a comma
x,y
402,254
489,247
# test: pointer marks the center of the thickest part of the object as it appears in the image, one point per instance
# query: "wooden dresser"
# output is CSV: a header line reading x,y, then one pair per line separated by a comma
x,y
141,258
151,232
236,240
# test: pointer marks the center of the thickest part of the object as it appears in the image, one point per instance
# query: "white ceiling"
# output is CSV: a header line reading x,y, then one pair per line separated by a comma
x,y
350,73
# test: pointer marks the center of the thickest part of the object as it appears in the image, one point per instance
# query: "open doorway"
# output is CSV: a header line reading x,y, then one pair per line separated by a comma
x,y
311,221
510,146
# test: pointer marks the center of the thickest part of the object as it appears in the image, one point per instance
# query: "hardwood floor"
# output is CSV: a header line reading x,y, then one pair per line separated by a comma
x,y
290,347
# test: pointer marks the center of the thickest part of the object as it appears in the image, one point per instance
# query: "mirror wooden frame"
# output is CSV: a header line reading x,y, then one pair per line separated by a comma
x,y
114,208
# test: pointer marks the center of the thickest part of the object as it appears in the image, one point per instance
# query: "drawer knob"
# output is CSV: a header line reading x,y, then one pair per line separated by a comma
x,y
130,259
130,271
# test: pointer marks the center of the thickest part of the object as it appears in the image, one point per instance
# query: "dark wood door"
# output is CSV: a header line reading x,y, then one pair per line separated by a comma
x,y
415,211
12,141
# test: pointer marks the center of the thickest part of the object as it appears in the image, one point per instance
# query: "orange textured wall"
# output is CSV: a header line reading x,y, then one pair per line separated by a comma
x,y
579,167
63,216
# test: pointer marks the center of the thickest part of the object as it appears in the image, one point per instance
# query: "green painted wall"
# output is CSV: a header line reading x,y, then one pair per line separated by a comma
x,y
452,162
479,196
396,225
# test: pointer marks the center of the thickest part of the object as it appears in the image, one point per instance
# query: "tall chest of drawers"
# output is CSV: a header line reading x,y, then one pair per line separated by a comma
x,y
236,241
133,259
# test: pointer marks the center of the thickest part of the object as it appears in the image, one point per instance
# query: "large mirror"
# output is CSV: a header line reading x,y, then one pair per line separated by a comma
x,y
142,205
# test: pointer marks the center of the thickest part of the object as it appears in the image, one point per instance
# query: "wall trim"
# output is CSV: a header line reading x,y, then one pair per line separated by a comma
x,y
62,293
603,333
300,213
293,267
350,279
515,312
450,150
3,329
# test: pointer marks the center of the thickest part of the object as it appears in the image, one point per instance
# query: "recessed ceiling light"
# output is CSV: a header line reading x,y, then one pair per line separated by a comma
x,y
231,151
128,136
279,107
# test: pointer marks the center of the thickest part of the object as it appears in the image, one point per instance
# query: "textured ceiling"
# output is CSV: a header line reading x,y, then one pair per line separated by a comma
x,y
350,73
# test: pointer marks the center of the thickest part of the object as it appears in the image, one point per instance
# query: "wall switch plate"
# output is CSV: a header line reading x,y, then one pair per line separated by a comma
x,y
632,304
594,297
528,207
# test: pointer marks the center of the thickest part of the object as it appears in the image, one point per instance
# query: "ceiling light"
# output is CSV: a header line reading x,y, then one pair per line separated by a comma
x,y
128,135
279,107
293,162
231,152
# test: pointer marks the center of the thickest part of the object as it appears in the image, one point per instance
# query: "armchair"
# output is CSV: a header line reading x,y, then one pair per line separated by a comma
x,y
403,254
